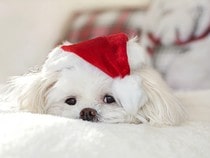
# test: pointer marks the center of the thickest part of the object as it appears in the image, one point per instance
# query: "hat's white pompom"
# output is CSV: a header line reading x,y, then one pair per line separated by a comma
x,y
137,56
128,93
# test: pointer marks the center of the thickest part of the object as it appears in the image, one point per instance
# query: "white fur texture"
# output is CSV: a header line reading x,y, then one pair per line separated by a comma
x,y
145,98
137,56
127,92
25,135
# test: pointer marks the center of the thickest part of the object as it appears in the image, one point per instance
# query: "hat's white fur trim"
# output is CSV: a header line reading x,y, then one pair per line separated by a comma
x,y
128,93
137,56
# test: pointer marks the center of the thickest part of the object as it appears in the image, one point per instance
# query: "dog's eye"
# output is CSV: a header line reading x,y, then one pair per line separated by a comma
x,y
108,99
71,101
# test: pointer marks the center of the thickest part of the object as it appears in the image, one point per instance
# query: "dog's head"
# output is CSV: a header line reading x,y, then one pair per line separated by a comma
x,y
82,91
68,86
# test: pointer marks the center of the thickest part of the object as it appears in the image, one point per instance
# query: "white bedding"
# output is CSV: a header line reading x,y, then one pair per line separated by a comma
x,y
24,135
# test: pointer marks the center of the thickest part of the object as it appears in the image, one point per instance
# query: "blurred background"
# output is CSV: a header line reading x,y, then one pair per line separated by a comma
x,y
30,29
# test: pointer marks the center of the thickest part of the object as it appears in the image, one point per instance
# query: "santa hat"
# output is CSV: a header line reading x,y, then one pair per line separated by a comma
x,y
108,53
114,55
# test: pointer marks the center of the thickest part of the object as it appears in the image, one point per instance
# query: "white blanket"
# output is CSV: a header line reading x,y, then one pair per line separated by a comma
x,y
24,135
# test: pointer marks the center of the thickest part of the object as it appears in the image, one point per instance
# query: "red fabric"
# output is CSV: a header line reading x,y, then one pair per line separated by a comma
x,y
157,41
193,38
91,27
108,53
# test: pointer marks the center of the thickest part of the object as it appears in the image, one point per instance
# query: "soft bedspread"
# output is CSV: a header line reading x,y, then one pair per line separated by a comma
x,y
24,135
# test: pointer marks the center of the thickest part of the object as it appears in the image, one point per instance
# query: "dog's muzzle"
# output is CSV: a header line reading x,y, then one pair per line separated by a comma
x,y
88,114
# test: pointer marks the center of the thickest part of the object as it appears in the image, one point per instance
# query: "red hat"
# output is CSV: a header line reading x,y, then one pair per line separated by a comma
x,y
108,53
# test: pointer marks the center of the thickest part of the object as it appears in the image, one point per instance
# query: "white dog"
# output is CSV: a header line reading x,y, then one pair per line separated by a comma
x,y
73,86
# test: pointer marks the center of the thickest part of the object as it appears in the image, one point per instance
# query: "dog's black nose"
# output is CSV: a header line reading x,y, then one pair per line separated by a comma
x,y
88,114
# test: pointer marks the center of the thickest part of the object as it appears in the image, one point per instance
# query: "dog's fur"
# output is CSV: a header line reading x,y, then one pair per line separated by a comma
x,y
45,92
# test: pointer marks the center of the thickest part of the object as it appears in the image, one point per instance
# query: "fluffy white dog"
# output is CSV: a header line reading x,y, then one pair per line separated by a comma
x,y
72,85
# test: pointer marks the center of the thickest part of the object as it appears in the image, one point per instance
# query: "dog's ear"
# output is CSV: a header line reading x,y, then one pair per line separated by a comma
x,y
29,91
161,108
33,96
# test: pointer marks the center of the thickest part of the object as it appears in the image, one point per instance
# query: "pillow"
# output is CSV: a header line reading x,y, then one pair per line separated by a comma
x,y
89,24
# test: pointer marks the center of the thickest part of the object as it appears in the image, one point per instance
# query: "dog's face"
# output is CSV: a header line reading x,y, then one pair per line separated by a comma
x,y
67,86
85,95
